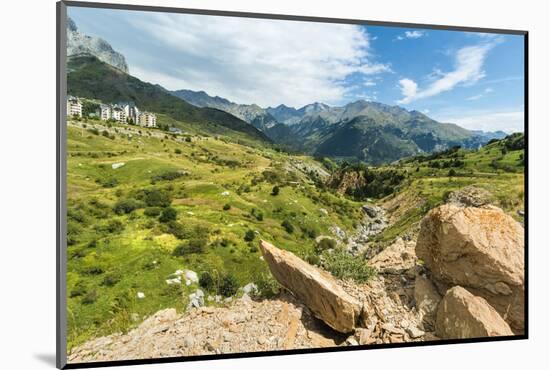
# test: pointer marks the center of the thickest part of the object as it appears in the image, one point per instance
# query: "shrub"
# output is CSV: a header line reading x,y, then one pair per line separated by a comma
x,y
313,259
126,206
207,281
93,270
228,286
177,151
268,287
168,214
152,211
249,235
258,215
226,207
197,245
192,246
90,297
345,266
325,244
168,176
109,183
287,226
275,190
452,172
111,279
114,226
78,290
157,198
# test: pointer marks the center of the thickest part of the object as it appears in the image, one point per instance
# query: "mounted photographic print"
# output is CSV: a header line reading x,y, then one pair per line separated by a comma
x,y
237,184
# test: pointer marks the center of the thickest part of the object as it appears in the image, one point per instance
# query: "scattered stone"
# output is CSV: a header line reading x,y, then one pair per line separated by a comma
x,y
480,249
414,332
371,211
225,193
114,166
140,295
463,315
191,276
317,289
250,288
174,281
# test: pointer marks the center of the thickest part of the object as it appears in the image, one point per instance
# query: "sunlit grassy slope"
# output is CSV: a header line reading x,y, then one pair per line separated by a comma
x,y
113,256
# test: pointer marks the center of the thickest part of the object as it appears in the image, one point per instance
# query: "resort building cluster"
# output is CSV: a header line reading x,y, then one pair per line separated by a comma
x,y
123,112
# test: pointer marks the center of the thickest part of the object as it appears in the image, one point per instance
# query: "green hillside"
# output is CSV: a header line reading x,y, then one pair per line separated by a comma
x,y
176,202
121,241
88,77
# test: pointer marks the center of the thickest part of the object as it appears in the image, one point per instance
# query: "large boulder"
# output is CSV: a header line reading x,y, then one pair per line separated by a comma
x,y
315,288
481,249
427,299
461,315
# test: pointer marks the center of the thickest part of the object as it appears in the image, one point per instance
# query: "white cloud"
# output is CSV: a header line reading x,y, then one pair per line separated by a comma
x,y
468,70
409,88
414,34
481,95
267,62
505,121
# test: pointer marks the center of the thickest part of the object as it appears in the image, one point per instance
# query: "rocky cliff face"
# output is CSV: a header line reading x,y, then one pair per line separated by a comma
x,y
79,43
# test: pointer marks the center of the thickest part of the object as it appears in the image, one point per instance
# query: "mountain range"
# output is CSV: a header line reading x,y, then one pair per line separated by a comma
x,y
371,132
362,130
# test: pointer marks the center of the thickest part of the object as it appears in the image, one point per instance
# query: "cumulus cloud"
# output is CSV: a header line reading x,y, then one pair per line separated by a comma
x,y
508,122
267,62
468,70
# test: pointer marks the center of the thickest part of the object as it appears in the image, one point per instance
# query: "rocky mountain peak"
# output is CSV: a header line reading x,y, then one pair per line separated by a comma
x,y
79,43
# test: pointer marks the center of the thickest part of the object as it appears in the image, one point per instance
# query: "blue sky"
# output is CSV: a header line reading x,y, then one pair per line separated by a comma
x,y
472,79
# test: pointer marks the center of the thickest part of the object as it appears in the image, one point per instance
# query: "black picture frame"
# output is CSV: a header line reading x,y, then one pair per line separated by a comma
x,y
61,176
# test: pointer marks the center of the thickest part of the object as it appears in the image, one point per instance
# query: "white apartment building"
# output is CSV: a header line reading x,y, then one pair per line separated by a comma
x,y
105,112
147,119
131,111
74,107
118,114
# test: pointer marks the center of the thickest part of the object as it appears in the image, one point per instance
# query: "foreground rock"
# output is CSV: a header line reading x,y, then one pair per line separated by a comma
x,y
317,289
481,249
243,326
462,315
396,258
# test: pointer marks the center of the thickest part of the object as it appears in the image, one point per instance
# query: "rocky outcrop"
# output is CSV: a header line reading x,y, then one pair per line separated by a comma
x,y
470,196
346,180
480,249
245,325
462,315
396,258
317,289
79,43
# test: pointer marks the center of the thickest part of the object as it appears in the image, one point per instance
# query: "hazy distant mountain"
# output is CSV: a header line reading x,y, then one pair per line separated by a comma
x,y
368,131
252,114
79,43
